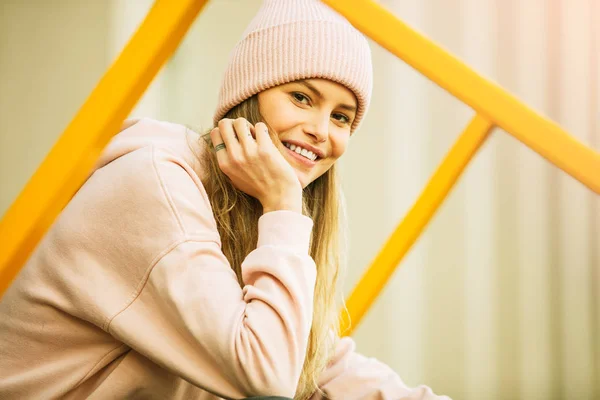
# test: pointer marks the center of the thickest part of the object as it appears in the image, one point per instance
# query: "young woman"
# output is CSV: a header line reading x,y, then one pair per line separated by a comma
x,y
205,266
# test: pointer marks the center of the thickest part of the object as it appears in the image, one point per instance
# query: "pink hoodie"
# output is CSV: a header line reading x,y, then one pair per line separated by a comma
x,y
129,295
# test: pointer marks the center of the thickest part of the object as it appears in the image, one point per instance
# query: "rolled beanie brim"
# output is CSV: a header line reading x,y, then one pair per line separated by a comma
x,y
299,50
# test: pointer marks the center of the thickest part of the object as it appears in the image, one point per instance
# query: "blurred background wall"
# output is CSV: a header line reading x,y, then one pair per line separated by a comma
x,y
499,297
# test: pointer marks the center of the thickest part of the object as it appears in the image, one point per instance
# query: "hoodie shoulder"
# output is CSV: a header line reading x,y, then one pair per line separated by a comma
x,y
128,123
143,132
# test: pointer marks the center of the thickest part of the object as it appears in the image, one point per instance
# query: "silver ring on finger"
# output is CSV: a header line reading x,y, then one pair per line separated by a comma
x,y
220,146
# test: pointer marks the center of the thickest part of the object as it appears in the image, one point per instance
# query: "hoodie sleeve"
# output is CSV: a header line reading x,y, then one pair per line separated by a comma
x,y
186,310
352,376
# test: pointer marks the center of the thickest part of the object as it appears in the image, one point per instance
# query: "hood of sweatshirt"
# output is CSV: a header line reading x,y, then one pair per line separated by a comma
x,y
139,133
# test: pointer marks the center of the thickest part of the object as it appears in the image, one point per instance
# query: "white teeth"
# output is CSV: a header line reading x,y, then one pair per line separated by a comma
x,y
299,150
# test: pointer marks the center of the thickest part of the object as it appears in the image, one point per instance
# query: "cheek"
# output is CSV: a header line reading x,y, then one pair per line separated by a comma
x,y
282,116
339,144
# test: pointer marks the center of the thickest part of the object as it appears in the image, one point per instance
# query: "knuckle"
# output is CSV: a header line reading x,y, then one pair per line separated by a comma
x,y
224,123
263,153
236,160
250,154
263,128
241,123
224,165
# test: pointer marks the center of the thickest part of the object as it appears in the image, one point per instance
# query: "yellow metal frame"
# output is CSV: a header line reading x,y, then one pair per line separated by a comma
x,y
405,235
67,166
493,106
71,159
487,99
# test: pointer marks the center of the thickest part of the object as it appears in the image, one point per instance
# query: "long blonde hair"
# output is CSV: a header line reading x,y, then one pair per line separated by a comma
x,y
237,217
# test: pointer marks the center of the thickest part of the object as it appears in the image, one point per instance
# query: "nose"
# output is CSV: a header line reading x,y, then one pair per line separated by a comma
x,y
319,127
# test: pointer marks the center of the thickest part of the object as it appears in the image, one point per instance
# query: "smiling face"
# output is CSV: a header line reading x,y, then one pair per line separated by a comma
x,y
312,119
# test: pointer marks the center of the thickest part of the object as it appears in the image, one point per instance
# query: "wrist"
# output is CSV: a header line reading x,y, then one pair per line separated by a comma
x,y
289,203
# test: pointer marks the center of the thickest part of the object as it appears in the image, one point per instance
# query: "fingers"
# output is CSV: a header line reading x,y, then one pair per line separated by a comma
x,y
243,131
233,142
262,134
217,141
237,136
227,132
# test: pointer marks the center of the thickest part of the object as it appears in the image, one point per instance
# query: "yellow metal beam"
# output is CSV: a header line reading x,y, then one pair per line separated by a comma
x,y
444,178
71,159
486,98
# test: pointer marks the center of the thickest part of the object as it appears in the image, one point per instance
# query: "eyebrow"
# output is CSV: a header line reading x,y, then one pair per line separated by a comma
x,y
320,95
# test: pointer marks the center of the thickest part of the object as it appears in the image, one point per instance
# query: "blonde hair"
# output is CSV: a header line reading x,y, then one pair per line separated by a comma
x,y
237,217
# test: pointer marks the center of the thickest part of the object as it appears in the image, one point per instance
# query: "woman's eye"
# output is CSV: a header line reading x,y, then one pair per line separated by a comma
x,y
300,97
342,118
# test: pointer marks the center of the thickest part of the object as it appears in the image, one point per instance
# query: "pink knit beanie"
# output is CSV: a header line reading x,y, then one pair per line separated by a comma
x,y
290,40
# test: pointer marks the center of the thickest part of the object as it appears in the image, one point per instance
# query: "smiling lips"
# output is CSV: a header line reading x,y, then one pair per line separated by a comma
x,y
307,154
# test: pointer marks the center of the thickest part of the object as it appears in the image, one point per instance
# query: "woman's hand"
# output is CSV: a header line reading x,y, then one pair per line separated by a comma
x,y
255,166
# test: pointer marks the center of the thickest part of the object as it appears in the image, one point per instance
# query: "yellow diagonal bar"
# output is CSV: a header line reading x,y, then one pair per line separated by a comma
x,y
486,98
69,162
444,178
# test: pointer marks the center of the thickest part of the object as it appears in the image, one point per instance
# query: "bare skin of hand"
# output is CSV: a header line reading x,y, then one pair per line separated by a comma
x,y
255,166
